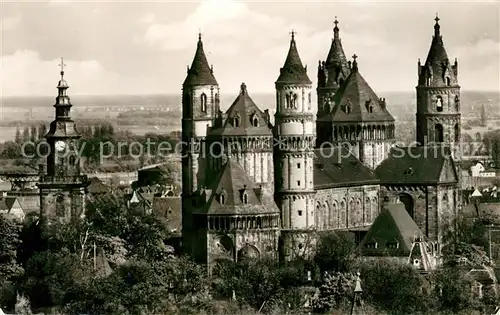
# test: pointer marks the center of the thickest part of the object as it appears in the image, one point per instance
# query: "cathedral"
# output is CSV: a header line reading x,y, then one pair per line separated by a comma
x,y
254,189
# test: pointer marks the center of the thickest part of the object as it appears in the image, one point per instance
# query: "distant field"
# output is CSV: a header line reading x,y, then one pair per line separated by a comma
x,y
22,111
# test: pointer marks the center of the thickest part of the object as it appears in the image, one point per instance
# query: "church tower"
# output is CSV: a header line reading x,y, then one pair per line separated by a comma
x,y
200,103
62,187
295,136
438,96
331,73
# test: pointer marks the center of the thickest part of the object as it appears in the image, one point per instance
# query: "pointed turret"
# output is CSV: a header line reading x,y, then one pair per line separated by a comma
x,y
438,70
357,303
293,72
200,72
336,62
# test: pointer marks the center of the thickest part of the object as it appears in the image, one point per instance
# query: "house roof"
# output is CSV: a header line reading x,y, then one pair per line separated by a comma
x,y
391,225
200,73
232,182
337,167
246,111
417,165
169,208
355,101
96,186
293,72
6,203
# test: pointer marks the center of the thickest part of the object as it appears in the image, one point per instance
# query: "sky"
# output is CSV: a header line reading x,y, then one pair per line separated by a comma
x,y
131,47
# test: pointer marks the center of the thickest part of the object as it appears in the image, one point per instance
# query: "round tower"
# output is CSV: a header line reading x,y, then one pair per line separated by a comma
x,y
294,144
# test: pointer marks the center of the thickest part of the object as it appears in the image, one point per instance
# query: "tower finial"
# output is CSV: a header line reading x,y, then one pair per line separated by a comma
x,y
336,28
436,26
62,65
293,32
354,63
199,34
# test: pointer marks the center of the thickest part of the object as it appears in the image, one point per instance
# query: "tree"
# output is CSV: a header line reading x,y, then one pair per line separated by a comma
x,y
336,252
26,134
483,116
18,138
12,150
335,292
42,131
453,290
10,270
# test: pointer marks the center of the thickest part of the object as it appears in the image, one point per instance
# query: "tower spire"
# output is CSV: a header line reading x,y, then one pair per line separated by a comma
x,y
336,29
436,26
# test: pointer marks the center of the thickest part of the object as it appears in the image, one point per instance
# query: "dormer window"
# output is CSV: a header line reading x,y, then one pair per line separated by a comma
x,y
244,195
392,244
409,171
439,104
255,121
236,120
369,106
371,244
222,197
203,100
347,108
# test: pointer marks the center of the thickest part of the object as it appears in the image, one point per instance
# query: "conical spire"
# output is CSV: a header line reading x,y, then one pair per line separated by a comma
x,y
200,72
336,65
354,63
437,67
293,71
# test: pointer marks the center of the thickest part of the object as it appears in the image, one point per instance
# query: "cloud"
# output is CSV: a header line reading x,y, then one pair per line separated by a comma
x,y
10,23
24,73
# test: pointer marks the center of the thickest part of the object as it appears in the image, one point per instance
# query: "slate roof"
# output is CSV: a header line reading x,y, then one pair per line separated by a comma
x,y
245,109
357,94
293,72
232,181
338,167
392,224
336,59
415,165
200,73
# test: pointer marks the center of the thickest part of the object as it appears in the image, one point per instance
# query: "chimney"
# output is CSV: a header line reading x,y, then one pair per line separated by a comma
x,y
382,103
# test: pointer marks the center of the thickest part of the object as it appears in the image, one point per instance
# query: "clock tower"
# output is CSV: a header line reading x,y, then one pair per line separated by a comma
x,y
62,187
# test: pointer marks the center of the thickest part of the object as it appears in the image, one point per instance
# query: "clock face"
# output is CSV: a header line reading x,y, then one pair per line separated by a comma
x,y
60,146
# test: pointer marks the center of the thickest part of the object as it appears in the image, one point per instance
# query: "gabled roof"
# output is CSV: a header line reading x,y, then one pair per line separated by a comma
x,y
338,167
232,182
392,224
200,73
246,111
293,72
336,61
96,186
417,165
354,99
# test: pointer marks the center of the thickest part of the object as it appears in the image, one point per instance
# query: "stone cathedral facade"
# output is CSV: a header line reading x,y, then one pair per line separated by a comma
x,y
252,189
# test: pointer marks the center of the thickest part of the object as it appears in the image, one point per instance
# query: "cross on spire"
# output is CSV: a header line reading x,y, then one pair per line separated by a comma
x,y
62,65
199,34
354,57
293,32
437,18
336,22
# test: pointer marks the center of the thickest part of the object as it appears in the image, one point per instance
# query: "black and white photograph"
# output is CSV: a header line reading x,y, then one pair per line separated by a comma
x,y
223,157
